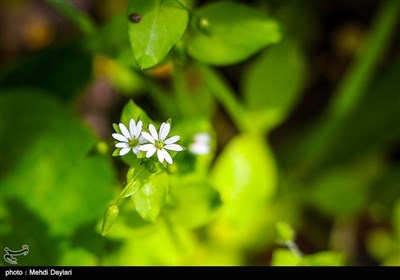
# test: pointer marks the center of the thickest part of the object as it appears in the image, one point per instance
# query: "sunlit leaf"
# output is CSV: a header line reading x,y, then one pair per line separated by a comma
x,y
285,231
283,257
150,199
151,244
193,203
327,258
157,27
245,176
224,33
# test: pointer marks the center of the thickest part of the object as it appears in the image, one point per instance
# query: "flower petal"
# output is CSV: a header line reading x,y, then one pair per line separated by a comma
x,y
148,137
161,127
199,148
160,155
124,130
138,129
132,127
153,132
167,156
146,147
164,130
202,137
143,140
121,145
136,150
173,147
172,139
119,137
150,151
124,151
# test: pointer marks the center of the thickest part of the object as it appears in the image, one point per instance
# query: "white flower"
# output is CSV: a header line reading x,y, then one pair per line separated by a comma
x,y
129,139
201,144
159,144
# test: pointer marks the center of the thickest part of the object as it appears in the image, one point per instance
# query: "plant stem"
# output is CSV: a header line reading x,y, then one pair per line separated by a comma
x,y
172,233
122,194
80,19
225,95
294,248
183,100
356,79
159,97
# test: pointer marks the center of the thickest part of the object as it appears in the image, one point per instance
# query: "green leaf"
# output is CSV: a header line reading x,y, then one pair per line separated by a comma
x,y
107,41
327,258
48,168
193,95
224,33
137,175
245,170
161,25
340,191
133,111
333,142
273,83
245,176
283,257
132,187
150,199
285,231
150,244
194,202
379,243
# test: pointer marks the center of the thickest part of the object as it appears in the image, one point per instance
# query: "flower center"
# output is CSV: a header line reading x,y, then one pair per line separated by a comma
x,y
159,144
133,142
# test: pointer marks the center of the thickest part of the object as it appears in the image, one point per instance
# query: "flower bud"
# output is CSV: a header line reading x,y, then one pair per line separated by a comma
x,y
110,216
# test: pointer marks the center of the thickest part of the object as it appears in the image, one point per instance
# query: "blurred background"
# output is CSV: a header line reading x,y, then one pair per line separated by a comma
x,y
66,75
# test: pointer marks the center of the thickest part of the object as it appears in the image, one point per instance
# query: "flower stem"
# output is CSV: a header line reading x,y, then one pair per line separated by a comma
x,y
159,97
172,232
129,185
183,100
225,95
294,248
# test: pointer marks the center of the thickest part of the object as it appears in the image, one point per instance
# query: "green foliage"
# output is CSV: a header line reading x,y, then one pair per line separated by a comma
x,y
283,257
285,232
69,62
48,168
193,203
292,256
340,192
273,83
161,25
224,33
150,199
248,161
245,176
324,259
50,186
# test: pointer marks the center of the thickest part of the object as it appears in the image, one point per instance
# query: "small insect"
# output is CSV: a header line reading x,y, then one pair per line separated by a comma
x,y
135,17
